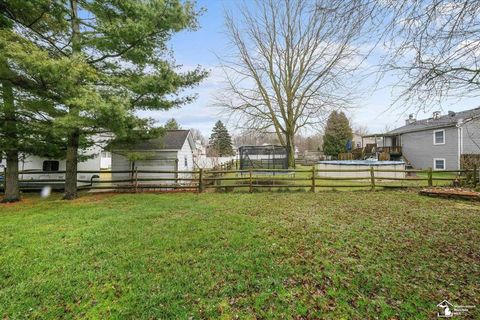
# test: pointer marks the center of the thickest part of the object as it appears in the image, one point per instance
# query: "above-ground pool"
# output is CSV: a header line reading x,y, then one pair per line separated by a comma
x,y
360,165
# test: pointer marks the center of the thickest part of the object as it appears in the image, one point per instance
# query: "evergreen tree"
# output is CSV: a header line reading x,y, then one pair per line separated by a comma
x,y
337,134
116,51
172,124
26,98
220,142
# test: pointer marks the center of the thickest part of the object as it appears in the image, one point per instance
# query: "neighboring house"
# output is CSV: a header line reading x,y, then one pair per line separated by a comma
x,y
360,141
171,152
437,142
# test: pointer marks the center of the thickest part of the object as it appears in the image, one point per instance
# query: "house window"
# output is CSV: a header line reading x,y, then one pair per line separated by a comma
x,y
439,164
185,160
50,165
439,136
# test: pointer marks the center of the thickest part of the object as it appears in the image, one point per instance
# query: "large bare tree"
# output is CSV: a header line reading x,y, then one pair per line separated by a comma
x,y
291,62
434,47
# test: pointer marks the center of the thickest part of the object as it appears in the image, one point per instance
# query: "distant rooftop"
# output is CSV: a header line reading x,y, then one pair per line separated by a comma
x,y
442,121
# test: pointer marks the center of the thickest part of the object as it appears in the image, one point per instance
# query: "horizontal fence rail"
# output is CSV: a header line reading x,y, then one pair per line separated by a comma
x,y
228,179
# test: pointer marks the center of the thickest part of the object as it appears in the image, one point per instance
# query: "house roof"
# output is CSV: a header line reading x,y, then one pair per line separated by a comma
x,y
171,140
449,120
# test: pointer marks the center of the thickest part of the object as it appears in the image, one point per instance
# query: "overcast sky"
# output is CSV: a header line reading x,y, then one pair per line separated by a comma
x,y
201,47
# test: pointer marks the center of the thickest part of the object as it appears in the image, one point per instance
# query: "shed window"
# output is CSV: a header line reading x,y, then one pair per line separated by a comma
x,y
439,164
50,165
106,154
185,160
439,137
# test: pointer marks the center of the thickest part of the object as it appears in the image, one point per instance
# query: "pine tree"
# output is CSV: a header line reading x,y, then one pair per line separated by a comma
x,y
172,124
220,142
26,99
117,53
337,134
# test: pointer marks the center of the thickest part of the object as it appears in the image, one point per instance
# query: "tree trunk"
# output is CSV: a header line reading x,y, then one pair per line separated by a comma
x,y
290,145
12,191
74,135
71,168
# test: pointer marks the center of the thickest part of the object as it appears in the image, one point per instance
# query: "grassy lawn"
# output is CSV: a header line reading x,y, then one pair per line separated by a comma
x,y
334,255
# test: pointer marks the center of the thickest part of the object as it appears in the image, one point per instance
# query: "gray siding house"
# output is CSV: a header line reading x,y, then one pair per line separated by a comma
x,y
437,142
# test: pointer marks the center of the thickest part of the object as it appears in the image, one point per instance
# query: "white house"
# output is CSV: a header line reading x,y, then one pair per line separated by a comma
x,y
171,152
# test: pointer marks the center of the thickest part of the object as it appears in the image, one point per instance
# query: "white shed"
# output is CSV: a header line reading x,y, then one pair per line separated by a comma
x,y
171,152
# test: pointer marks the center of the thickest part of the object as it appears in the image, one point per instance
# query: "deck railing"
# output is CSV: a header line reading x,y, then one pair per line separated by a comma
x,y
256,179
391,149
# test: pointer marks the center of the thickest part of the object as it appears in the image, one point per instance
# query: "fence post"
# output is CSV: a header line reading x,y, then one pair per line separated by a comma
x,y
250,181
372,178
200,181
313,179
475,172
430,177
136,179
4,179
176,171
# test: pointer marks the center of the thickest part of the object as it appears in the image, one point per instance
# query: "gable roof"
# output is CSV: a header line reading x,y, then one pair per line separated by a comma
x,y
171,140
449,120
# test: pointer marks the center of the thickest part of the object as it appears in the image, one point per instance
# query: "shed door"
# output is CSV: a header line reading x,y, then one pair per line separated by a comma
x,y
155,165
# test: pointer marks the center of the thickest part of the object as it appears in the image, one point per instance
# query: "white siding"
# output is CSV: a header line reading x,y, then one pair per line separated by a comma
x,y
185,152
35,163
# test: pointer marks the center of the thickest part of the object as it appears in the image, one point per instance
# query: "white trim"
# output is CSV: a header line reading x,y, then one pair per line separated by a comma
x,y
444,138
460,146
444,164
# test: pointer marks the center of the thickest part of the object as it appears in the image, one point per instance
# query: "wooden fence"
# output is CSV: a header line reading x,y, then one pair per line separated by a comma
x,y
230,179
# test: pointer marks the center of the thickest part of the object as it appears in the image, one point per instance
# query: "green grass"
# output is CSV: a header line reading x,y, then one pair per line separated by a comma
x,y
334,255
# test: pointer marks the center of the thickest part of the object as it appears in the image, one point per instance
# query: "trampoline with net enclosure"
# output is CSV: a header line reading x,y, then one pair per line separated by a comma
x,y
263,157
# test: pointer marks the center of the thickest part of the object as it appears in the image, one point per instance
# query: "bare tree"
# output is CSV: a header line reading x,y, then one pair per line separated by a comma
x,y
434,46
291,60
253,138
198,136
309,143
361,130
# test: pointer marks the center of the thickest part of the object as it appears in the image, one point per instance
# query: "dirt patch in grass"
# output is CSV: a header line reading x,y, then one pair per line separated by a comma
x,y
453,193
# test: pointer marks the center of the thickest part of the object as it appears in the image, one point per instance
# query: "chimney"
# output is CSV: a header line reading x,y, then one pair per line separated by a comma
x,y
411,119
436,115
